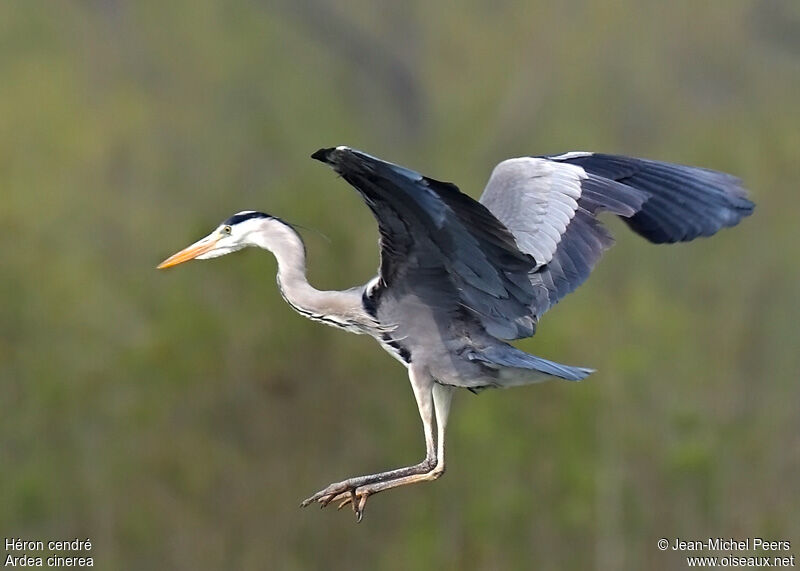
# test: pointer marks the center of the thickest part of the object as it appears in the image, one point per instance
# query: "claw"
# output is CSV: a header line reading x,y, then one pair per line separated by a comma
x,y
362,502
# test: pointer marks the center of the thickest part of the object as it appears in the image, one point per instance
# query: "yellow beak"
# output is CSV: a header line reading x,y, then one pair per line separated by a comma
x,y
190,253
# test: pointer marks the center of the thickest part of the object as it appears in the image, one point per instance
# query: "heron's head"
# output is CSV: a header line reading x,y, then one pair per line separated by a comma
x,y
248,228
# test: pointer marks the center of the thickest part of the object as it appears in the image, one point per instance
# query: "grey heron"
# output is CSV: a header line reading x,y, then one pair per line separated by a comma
x,y
459,279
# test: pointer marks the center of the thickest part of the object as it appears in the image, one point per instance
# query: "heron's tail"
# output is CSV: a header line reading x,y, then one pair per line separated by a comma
x,y
519,368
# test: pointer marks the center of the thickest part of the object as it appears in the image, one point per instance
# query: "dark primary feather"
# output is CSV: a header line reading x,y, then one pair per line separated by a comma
x,y
683,202
435,238
662,202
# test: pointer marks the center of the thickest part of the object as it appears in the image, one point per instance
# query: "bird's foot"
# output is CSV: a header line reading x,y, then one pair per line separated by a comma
x,y
347,492
356,490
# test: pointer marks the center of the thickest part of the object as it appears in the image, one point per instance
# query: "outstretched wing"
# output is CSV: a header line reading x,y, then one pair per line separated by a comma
x,y
435,239
550,205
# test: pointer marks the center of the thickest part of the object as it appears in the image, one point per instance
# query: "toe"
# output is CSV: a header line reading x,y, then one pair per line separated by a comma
x,y
359,509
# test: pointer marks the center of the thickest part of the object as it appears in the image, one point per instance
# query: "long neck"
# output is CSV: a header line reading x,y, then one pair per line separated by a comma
x,y
287,246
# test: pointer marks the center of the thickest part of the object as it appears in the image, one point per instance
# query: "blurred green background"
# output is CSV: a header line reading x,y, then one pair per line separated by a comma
x,y
177,418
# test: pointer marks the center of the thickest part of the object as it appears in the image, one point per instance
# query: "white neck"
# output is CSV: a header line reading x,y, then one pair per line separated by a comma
x,y
339,308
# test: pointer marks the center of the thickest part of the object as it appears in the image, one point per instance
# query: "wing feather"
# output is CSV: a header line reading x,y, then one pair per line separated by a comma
x,y
441,246
550,204
534,236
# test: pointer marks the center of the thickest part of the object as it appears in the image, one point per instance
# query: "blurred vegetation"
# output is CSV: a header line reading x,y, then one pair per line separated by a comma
x,y
177,418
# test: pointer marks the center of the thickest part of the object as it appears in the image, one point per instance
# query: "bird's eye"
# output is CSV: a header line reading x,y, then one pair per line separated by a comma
x,y
226,230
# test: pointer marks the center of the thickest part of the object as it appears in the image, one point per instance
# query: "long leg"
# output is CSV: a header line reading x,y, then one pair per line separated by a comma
x,y
423,385
442,397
